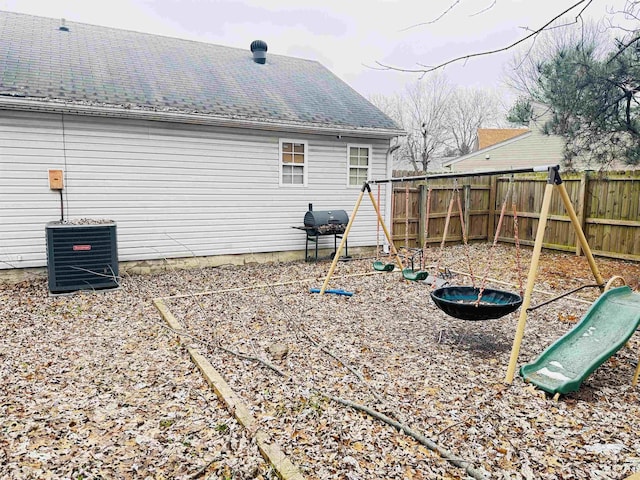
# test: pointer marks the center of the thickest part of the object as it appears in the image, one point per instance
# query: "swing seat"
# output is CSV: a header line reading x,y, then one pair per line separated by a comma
x,y
414,275
335,291
460,302
383,267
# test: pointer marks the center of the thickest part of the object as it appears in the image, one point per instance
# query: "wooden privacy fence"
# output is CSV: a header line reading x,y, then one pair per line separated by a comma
x,y
607,205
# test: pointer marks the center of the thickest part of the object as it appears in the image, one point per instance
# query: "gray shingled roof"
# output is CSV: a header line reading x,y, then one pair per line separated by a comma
x,y
92,65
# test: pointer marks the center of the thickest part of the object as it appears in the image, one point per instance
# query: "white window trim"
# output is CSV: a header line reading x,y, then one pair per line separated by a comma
x,y
358,145
305,165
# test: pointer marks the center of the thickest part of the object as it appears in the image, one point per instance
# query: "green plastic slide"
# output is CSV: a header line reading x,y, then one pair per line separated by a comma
x,y
603,330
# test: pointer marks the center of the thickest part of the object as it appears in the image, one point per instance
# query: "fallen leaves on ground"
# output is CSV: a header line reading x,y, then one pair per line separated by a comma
x,y
94,386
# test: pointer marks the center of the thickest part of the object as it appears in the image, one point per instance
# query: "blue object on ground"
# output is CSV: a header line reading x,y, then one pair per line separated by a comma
x,y
335,291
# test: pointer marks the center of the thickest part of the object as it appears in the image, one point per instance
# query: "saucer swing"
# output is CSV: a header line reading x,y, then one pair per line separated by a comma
x,y
471,302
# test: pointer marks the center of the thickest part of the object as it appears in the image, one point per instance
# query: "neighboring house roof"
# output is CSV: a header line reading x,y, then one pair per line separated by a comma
x,y
99,70
491,136
527,150
534,148
531,147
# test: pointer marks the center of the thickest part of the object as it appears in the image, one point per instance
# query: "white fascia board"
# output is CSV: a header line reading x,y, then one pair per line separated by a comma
x,y
10,103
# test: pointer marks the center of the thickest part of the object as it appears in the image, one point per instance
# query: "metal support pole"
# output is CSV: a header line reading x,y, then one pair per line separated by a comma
x,y
465,174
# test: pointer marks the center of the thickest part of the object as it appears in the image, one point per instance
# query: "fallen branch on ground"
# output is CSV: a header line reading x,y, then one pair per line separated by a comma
x,y
325,349
159,304
430,444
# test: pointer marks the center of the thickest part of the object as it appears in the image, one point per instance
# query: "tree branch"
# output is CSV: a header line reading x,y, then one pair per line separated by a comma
x,y
160,307
451,7
489,52
484,9
430,444
623,47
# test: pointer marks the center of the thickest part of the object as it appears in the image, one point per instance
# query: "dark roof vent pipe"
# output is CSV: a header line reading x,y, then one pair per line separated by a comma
x,y
63,25
259,50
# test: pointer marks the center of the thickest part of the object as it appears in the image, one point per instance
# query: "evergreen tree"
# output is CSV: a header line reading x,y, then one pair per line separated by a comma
x,y
521,112
595,102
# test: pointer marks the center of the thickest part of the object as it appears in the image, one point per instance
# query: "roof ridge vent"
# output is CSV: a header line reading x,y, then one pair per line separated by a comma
x,y
63,25
259,50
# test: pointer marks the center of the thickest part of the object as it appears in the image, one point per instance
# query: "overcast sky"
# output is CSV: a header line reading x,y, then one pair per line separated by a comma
x,y
346,36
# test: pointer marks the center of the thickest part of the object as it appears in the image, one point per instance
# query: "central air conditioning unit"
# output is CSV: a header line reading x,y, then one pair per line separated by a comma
x,y
81,256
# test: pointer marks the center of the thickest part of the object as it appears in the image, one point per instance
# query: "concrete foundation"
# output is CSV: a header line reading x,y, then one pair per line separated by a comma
x,y
146,267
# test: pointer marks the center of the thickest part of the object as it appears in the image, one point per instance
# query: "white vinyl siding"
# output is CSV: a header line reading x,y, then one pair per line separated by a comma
x,y
174,190
358,163
293,162
527,151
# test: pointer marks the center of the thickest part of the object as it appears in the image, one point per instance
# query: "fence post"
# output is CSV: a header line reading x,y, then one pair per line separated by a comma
x,y
422,213
491,221
581,210
467,207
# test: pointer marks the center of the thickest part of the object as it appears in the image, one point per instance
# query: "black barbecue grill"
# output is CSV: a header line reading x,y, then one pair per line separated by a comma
x,y
319,223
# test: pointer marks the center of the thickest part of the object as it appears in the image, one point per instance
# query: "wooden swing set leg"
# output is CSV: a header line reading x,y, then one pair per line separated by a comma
x,y
334,263
531,278
580,234
367,188
546,202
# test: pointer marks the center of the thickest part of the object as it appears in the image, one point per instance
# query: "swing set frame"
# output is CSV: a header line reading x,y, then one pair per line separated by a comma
x,y
554,182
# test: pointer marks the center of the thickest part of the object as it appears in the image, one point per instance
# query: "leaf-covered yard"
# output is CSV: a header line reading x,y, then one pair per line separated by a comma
x,y
94,385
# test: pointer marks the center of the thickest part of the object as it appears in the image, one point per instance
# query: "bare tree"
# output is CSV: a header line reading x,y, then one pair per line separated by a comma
x,y
440,119
421,110
391,105
427,102
469,110
626,19
521,72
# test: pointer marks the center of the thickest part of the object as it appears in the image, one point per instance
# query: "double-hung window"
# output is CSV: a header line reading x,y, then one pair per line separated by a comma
x,y
293,162
358,162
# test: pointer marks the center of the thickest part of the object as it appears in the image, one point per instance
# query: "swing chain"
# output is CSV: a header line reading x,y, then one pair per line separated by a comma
x,y
483,282
406,216
378,226
517,240
455,195
426,228
465,239
444,236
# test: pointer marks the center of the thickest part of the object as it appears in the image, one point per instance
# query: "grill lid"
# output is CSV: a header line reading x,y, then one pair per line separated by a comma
x,y
316,218
323,222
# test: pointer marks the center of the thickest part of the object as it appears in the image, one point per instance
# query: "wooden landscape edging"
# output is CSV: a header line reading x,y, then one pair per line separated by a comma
x,y
271,452
607,205
284,468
